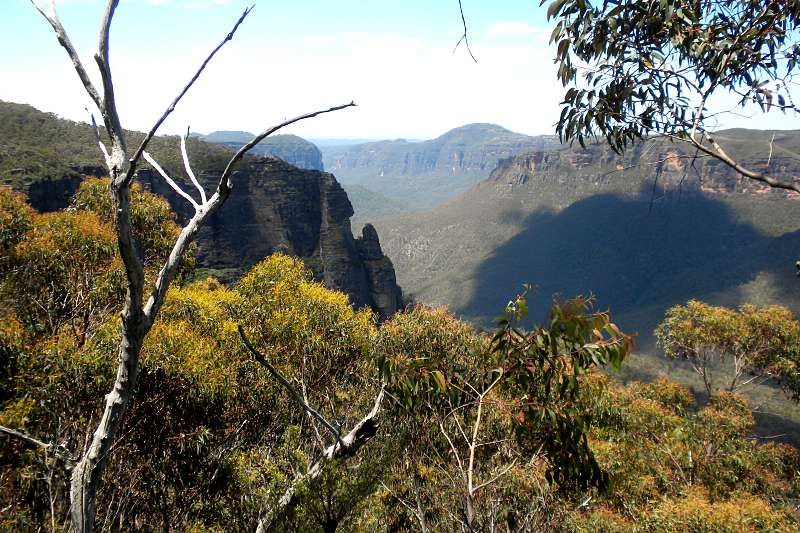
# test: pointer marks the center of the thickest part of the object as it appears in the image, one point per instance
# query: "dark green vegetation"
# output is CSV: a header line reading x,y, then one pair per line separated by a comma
x,y
425,173
517,429
369,205
293,149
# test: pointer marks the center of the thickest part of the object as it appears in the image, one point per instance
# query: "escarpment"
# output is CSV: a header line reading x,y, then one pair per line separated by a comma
x,y
276,207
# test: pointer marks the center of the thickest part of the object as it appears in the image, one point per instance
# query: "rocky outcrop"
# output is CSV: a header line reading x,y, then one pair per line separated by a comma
x,y
274,207
380,272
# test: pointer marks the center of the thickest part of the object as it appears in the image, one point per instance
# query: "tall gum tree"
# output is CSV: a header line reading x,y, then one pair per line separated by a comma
x,y
142,302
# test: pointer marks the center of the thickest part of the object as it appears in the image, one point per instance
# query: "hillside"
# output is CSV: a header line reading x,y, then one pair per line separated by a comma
x,y
291,148
274,206
425,173
575,221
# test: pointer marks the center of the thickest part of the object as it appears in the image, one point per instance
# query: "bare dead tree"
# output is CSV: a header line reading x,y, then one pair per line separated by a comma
x,y
141,303
344,446
464,441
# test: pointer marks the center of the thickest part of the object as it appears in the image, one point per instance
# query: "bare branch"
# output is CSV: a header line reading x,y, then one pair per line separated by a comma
x,y
188,167
464,37
347,446
288,386
30,442
178,98
59,451
99,140
224,179
495,478
109,107
63,40
452,448
169,180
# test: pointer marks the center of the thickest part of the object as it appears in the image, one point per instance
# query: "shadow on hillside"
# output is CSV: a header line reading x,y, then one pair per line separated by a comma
x,y
632,254
638,259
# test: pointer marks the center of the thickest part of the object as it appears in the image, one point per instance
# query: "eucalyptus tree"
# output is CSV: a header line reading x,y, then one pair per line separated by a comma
x,y
637,69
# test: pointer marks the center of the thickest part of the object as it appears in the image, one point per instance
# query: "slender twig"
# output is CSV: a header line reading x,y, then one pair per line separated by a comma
x,y
169,180
495,478
97,138
188,167
464,37
287,385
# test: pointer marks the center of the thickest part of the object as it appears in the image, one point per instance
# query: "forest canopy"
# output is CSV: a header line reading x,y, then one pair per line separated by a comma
x,y
213,441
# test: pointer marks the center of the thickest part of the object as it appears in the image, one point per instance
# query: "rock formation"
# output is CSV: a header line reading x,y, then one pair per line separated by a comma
x,y
380,272
276,207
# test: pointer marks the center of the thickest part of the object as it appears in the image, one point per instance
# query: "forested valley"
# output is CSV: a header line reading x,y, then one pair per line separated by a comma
x,y
597,330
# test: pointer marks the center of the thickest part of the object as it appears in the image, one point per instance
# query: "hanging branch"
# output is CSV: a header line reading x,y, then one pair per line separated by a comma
x,y
344,446
258,356
59,451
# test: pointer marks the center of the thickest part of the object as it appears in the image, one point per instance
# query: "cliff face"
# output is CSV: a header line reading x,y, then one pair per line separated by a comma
x,y
474,148
274,207
672,164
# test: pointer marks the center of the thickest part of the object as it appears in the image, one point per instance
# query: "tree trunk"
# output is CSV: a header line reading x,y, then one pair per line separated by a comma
x,y
87,473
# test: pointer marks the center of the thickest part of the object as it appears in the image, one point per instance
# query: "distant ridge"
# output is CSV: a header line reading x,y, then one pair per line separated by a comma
x,y
421,174
642,231
291,148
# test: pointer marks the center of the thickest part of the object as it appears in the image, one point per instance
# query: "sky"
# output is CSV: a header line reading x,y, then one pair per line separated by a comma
x,y
394,59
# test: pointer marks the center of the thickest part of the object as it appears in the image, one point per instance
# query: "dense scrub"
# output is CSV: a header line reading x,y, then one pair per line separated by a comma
x,y
514,433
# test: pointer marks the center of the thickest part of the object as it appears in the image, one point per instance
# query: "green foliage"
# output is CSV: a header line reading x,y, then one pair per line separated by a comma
x,y
154,227
65,272
652,65
675,467
755,340
62,271
214,442
15,220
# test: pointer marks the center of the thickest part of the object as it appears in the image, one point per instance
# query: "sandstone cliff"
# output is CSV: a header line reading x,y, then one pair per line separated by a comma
x,y
274,206
422,174
671,164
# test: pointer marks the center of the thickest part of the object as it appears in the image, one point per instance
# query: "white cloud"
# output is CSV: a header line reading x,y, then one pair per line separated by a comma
x,y
405,86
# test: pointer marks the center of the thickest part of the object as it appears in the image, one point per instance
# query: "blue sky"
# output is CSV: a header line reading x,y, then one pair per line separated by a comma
x,y
395,59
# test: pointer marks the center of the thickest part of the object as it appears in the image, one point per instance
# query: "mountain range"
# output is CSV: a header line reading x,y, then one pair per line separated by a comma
x,y
422,174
